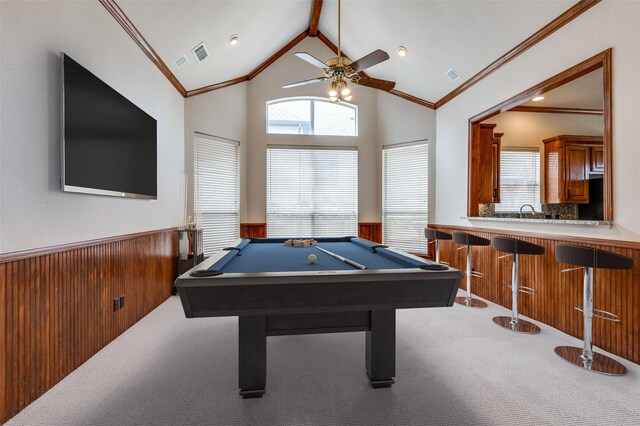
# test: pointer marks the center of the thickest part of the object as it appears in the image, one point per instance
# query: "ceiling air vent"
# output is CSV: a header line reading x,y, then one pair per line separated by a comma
x,y
452,74
181,60
200,52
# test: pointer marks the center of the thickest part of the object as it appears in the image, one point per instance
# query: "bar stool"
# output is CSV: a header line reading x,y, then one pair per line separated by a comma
x,y
515,248
433,236
588,258
470,240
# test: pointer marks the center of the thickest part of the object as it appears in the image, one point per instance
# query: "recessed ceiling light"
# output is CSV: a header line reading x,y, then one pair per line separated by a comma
x,y
402,51
537,98
233,40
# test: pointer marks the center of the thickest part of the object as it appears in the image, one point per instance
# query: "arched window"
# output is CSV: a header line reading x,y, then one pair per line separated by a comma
x,y
311,116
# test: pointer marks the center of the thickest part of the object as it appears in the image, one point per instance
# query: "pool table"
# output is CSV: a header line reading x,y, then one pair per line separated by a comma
x,y
275,290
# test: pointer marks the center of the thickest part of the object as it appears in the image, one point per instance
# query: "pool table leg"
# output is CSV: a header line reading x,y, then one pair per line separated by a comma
x,y
252,350
381,348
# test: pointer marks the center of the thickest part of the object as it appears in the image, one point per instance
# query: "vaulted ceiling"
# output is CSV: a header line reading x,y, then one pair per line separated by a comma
x,y
467,36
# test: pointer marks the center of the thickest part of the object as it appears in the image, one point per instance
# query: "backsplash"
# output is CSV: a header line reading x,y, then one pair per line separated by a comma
x,y
549,211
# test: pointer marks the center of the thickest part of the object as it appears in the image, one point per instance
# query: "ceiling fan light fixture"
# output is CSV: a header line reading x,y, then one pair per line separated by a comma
x,y
402,51
342,70
233,40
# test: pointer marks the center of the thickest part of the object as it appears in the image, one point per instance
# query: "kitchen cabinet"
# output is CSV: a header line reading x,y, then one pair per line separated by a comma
x,y
569,160
597,159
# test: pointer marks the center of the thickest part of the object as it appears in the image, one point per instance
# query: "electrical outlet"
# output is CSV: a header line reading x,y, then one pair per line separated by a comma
x,y
122,301
116,304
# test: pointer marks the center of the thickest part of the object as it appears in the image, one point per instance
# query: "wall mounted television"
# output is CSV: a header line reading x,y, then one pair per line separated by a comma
x,y
109,145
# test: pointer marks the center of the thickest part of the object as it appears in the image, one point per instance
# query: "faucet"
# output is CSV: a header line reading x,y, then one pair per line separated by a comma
x,y
533,211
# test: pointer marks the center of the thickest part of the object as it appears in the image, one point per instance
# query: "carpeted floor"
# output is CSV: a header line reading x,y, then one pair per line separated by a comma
x,y
454,367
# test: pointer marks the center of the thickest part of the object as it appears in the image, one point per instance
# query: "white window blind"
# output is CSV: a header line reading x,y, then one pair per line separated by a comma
x,y
519,179
312,192
405,195
216,191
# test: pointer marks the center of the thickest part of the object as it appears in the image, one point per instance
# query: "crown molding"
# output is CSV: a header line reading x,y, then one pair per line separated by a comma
x,y
284,49
562,20
216,86
133,32
557,110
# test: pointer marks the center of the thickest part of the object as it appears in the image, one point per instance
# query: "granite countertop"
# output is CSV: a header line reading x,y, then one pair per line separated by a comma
x,y
544,221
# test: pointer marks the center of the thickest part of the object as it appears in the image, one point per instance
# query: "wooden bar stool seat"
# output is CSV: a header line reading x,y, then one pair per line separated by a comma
x,y
469,240
588,258
515,248
433,235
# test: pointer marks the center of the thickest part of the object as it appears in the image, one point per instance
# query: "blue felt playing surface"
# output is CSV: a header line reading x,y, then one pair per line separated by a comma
x,y
277,257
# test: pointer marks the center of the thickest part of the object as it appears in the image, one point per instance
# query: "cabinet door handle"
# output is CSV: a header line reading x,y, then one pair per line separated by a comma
x,y
568,192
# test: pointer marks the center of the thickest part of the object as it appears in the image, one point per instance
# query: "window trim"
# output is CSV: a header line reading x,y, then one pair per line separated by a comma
x,y
312,100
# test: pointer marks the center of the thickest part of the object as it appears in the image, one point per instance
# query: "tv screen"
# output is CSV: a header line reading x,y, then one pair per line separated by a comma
x,y
109,145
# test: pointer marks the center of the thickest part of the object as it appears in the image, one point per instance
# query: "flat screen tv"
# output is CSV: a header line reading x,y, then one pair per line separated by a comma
x,y
109,145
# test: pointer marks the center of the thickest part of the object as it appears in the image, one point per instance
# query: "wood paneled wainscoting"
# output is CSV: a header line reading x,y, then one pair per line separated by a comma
x,y
558,293
253,230
57,306
371,231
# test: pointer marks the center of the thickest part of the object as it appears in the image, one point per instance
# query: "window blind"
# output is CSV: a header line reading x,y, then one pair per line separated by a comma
x,y
405,195
216,191
519,179
312,192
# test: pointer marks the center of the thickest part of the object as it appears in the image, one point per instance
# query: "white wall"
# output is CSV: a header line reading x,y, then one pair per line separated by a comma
x,y
401,121
266,87
34,212
382,119
221,113
530,128
608,24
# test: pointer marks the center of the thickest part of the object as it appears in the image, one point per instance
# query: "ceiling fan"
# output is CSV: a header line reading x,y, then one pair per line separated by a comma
x,y
342,70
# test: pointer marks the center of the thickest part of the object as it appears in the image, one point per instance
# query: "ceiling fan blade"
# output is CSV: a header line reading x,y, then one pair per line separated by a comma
x,y
376,83
302,83
312,60
373,58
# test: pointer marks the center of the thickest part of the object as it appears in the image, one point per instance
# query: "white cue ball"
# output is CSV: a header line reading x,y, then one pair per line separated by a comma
x,y
312,258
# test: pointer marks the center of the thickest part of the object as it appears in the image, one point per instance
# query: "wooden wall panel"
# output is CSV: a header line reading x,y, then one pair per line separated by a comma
x,y
57,306
253,230
4,349
558,293
371,231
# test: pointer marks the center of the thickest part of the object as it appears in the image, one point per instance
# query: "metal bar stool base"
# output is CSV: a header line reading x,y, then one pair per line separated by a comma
x,y
522,326
470,302
600,364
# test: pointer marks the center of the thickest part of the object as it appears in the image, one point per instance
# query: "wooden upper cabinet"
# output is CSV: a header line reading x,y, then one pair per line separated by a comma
x,y
485,173
597,159
569,160
576,174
